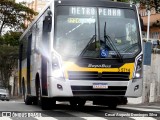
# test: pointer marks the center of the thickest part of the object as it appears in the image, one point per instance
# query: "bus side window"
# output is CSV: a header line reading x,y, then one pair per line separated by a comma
x,y
34,35
21,51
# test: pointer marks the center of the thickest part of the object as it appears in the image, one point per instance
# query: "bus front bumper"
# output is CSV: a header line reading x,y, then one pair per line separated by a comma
x,y
134,88
78,88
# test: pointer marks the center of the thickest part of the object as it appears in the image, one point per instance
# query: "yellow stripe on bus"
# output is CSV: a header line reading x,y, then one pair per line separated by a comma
x,y
71,66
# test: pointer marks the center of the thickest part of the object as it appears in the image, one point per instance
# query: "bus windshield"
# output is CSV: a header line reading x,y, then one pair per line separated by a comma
x,y
96,32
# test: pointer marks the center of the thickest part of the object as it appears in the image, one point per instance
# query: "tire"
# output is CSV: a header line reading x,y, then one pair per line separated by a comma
x,y
24,97
28,100
47,103
24,90
38,95
35,101
44,102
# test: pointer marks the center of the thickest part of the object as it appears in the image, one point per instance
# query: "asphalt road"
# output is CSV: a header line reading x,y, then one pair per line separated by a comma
x,y
17,110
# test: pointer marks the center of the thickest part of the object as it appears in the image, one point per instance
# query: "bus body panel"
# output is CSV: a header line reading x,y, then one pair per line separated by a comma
x,y
134,88
66,90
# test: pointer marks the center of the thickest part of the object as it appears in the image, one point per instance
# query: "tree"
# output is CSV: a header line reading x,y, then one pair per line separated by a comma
x,y
13,15
12,38
9,49
8,58
145,4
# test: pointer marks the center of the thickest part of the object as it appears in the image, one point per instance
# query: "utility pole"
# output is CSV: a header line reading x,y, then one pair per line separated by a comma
x,y
148,13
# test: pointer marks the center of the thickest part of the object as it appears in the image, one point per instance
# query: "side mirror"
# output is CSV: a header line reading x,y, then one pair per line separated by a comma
x,y
47,24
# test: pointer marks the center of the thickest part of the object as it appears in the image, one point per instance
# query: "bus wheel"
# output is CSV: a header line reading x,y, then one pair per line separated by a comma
x,y
44,102
38,91
23,90
28,100
47,103
35,101
38,95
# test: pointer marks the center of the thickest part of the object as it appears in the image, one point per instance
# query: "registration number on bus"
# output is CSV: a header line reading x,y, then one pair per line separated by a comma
x,y
100,86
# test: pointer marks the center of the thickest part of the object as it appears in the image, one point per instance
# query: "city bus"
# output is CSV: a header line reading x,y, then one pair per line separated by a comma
x,y
82,50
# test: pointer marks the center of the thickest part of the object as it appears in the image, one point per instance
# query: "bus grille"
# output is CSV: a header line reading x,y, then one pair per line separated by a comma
x,y
89,91
104,76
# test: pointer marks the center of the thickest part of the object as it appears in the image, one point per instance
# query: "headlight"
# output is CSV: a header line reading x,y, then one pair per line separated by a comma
x,y
139,68
57,73
57,68
138,75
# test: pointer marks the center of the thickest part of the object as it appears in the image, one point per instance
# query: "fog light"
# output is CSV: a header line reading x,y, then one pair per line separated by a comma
x,y
59,87
136,87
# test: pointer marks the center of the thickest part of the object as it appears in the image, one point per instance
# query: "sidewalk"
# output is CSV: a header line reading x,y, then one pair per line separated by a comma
x,y
145,104
16,98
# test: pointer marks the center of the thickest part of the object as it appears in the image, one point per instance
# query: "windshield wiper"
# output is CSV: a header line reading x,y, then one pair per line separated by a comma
x,y
90,41
111,44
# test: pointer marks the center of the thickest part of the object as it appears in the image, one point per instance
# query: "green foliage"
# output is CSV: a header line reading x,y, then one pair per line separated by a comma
x,y
13,15
9,48
8,58
145,4
150,4
12,38
123,0
1,40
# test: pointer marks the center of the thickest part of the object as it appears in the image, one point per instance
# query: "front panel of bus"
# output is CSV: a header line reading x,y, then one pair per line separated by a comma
x,y
97,49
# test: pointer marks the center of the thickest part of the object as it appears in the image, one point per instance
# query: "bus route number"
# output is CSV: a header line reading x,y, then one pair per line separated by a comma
x,y
123,70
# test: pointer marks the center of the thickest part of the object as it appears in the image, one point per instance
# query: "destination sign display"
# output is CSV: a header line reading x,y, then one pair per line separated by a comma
x,y
88,11
81,20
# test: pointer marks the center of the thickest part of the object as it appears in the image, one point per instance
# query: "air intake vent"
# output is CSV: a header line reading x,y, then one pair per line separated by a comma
x,y
104,76
89,91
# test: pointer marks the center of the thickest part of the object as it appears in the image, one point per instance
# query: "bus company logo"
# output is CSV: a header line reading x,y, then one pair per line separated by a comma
x,y
99,66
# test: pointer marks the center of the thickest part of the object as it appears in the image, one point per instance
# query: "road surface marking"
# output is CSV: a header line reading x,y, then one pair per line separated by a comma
x,y
5,118
93,118
11,102
139,109
143,118
88,116
151,106
45,118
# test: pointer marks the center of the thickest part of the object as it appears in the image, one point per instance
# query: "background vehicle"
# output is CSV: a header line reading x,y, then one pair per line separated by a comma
x,y
79,50
4,94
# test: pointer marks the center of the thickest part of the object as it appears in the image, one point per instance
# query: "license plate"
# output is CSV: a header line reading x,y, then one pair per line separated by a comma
x,y
100,86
